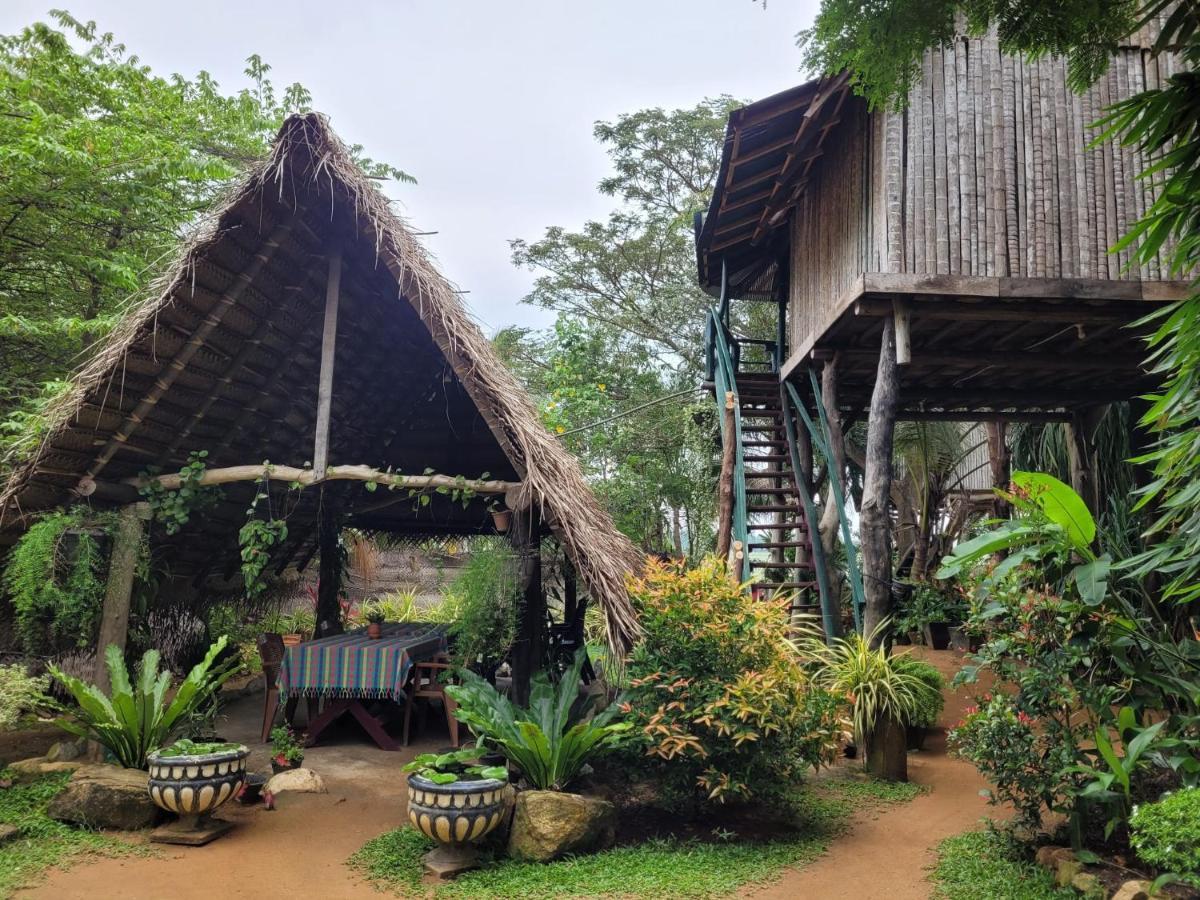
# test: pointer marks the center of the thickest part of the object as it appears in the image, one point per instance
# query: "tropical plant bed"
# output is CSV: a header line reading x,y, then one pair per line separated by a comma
x,y
42,843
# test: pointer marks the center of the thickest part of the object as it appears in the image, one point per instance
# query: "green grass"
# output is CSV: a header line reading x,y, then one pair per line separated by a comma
x,y
659,868
42,842
980,865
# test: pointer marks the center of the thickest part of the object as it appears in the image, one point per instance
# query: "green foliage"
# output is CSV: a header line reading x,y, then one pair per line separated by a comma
x,y
487,597
1166,834
661,868
876,684
173,508
42,843
929,702
984,865
186,747
926,604
447,768
56,578
137,719
258,539
374,612
285,746
721,707
20,694
553,738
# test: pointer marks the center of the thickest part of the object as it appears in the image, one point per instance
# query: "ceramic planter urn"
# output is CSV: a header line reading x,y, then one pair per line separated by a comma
x,y
193,787
456,815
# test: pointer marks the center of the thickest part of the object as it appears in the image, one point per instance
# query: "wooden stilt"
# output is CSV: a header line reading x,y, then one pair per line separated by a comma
x,y
875,523
837,446
114,619
1081,434
329,610
525,534
999,459
328,345
725,482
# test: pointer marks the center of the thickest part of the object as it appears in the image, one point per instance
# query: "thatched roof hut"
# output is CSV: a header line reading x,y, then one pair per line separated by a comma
x,y
234,354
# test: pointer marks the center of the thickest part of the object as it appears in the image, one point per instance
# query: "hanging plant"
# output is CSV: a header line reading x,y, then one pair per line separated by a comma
x,y
258,539
56,578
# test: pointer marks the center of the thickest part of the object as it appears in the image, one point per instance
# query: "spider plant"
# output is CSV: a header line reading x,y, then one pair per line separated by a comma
x,y
878,686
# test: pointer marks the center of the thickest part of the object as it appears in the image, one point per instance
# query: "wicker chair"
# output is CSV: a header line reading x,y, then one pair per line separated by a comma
x,y
424,685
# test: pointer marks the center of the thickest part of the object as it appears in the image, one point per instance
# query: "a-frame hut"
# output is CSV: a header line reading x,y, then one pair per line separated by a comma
x,y
306,326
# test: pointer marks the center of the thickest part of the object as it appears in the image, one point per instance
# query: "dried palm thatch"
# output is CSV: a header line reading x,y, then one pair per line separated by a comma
x,y
308,159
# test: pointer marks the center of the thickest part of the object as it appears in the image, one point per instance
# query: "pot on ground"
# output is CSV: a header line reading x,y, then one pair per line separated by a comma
x,y
937,635
374,630
456,815
286,765
195,786
960,640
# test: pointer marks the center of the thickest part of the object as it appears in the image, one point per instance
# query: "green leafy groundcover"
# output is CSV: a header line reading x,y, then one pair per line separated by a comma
x,y
980,865
664,868
41,841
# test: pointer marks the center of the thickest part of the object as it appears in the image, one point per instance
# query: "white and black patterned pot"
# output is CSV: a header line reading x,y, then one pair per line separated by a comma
x,y
457,813
194,786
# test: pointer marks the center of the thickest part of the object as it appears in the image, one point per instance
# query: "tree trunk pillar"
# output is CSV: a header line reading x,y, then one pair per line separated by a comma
x,y
836,466
887,751
329,609
875,523
1000,460
118,591
527,649
1081,434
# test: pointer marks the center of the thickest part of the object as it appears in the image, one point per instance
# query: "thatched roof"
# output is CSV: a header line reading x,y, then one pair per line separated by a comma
x,y
224,357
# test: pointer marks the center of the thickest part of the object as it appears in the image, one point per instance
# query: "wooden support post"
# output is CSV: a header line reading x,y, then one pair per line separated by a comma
x,y
725,482
1081,434
328,346
902,318
837,446
875,523
1000,460
525,534
329,609
114,619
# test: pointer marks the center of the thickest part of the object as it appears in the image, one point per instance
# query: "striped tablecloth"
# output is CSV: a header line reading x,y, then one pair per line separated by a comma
x,y
354,665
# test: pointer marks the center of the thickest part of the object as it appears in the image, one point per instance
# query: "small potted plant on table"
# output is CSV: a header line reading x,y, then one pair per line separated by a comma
x,y
193,780
286,750
374,614
456,801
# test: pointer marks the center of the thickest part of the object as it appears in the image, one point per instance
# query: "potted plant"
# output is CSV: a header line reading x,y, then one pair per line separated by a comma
x,y
373,612
456,801
929,703
192,780
286,751
928,614
501,516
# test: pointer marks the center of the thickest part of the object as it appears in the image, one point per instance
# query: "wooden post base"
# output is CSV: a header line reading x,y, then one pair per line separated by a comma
x,y
191,831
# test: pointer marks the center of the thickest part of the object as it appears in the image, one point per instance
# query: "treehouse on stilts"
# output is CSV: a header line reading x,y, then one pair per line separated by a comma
x,y
307,343
949,261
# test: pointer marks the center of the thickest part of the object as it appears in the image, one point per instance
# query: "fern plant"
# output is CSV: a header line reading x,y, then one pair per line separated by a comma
x,y
552,739
137,719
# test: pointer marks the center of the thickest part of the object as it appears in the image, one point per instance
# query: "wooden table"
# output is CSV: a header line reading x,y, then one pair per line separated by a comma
x,y
347,670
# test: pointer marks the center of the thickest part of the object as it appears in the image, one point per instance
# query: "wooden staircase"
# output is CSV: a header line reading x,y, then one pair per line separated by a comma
x,y
776,521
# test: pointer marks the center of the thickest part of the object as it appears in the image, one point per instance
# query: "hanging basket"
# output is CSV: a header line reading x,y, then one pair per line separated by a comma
x,y
502,519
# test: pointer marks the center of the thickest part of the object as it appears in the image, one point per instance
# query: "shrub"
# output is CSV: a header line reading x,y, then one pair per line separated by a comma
x,y
486,594
20,693
929,702
927,604
720,705
1166,834
137,719
552,739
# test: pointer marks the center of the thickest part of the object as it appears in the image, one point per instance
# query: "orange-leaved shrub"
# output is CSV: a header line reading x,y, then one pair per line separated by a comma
x,y
720,707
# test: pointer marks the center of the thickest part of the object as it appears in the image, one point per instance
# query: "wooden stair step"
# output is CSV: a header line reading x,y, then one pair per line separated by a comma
x,y
775,507
776,545
770,490
755,564
779,526
784,584
766,458
764,443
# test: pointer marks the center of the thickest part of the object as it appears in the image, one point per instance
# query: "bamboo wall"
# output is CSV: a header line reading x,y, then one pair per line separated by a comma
x,y
986,172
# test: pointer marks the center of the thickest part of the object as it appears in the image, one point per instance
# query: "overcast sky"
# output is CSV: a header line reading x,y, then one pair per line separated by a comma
x,y
489,104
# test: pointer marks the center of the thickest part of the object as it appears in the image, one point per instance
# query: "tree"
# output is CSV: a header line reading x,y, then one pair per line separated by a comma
x,y
626,348
106,167
882,46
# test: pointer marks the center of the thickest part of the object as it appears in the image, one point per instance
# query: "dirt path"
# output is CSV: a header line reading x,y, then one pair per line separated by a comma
x,y
888,852
300,849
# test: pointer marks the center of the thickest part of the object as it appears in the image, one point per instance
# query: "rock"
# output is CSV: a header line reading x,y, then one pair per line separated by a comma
x,y
8,832
300,781
1066,869
549,824
106,797
65,751
39,766
1087,884
1133,890
1045,856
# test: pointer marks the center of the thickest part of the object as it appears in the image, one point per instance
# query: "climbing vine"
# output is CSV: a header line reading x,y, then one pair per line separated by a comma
x,y
258,539
173,508
56,578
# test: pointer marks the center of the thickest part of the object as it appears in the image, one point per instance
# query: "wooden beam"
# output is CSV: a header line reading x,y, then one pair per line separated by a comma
x,y
1007,310
875,521
328,354
1015,361
179,362
308,477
